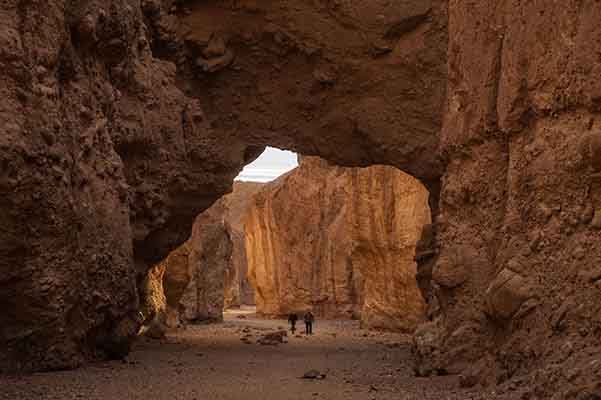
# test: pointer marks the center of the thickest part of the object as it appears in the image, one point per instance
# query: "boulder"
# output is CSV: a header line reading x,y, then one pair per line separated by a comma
x,y
273,338
506,294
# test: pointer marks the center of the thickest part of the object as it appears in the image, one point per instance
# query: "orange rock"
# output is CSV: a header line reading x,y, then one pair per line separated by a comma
x,y
339,241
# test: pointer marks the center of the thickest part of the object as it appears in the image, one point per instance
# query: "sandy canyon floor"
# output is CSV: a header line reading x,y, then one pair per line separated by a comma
x,y
211,362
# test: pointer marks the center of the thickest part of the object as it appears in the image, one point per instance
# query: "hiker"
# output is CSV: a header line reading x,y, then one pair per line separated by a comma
x,y
292,318
309,319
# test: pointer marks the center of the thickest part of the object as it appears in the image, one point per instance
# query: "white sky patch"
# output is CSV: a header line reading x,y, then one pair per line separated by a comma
x,y
270,165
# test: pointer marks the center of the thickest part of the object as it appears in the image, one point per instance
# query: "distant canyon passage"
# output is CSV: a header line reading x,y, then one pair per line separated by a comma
x,y
205,275
340,242
122,120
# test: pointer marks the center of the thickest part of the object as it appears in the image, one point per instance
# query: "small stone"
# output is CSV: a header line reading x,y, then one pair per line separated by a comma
x,y
506,294
273,338
545,210
579,253
596,222
591,275
215,48
587,214
313,374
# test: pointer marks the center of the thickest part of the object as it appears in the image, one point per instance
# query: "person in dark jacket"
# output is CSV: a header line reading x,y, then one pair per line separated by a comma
x,y
309,319
292,318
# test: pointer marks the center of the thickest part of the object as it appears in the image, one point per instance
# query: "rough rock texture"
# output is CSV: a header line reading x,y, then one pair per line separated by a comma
x,y
204,275
103,161
339,241
317,76
238,290
209,259
520,196
121,120
162,290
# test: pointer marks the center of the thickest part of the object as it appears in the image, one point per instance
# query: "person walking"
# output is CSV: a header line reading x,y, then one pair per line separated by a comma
x,y
309,319
292,318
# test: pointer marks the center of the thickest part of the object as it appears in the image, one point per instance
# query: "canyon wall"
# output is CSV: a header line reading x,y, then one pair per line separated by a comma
x,y
238,290
209,259
517,281
338,241
121,120
103,166
204,275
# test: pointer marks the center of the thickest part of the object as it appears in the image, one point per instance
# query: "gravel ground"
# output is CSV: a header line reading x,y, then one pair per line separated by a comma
x,y
211,362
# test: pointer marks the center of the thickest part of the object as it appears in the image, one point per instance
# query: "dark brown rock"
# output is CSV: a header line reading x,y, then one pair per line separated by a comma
x,y
506,294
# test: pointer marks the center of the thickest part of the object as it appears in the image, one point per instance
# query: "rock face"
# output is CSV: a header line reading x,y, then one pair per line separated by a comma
x,y
204,275
339,241
238,290
520,194
209,259
103,166
162,291
120,120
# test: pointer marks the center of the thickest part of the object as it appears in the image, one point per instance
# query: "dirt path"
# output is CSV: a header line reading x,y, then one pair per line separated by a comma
x,y
211,362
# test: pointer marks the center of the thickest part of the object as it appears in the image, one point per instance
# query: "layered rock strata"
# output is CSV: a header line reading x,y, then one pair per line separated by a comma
x,y
339,241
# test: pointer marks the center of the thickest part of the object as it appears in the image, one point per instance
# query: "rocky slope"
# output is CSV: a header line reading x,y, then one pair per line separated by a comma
x,y
339,241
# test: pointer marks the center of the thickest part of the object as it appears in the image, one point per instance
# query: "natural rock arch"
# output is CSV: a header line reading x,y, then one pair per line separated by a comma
x,y
109,146
108,152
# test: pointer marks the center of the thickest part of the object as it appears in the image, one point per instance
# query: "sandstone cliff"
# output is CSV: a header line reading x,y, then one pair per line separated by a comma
x,y
209,259
339,241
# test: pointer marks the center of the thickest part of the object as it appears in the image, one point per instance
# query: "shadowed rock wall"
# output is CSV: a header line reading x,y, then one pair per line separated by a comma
x,y
517,280
204,275
238,290
339,241
103,166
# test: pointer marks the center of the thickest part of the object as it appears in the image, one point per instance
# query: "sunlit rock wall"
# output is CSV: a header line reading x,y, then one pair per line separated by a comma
x,y
339,241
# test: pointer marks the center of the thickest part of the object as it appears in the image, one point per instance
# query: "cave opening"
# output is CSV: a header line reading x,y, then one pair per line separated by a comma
x,y
298,233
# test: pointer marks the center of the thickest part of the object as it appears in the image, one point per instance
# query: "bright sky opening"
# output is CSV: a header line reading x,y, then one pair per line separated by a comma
x,y
270,165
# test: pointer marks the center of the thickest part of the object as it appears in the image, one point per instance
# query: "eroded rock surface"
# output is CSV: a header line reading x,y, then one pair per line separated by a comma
x,y
123,119
120,120
209,259
238,290
339,241
204,275
103,166
520,191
